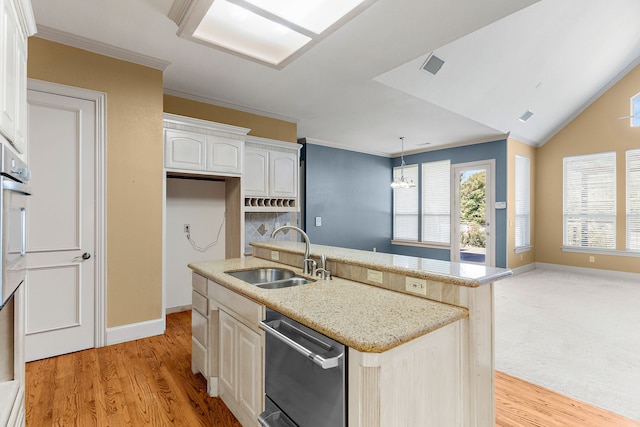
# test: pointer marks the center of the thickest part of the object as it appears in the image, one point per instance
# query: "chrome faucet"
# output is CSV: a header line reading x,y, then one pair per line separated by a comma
x,y
307,256
322,271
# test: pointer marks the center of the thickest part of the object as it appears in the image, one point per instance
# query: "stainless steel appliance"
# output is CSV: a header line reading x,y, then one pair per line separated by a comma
x,y
13,204
305,376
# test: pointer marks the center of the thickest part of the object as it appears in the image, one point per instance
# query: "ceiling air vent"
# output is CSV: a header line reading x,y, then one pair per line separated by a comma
x,y
432,64
526,116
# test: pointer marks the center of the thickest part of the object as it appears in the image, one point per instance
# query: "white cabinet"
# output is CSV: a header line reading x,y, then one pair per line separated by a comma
x,y
232,360
201,146
240,366
199,326
16,24
270,180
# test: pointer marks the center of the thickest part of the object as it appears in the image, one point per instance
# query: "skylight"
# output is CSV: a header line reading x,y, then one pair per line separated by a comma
x,y
273,32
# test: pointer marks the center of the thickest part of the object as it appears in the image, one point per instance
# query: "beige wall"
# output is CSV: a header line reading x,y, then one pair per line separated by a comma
x,y
515,147
134,171
261,126
597,129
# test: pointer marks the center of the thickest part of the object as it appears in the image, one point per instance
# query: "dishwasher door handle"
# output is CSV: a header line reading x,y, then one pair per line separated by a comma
x,y
324,363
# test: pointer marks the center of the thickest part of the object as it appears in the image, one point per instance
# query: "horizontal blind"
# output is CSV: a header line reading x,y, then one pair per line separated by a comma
x,y
633,200
523,203
436,202
405,206
590,201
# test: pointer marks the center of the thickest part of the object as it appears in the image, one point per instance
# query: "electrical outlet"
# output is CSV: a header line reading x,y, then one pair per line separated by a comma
x,y
374,276
275,256
187,229
416,286
592,259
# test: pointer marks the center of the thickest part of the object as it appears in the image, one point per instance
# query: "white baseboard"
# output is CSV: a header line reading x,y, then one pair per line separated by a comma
x,y
135,331
611,274
177,309
524,268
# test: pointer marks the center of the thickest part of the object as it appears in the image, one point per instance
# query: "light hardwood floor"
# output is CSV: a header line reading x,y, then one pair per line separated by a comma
x,y
148,382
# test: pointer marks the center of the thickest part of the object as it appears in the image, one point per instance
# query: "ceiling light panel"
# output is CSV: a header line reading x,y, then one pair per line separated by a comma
x,y
313,15
235,28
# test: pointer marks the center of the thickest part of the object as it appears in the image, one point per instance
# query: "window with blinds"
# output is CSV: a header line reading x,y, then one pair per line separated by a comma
x,y
522,204
436,202
635,111
405,206
633,200
589,184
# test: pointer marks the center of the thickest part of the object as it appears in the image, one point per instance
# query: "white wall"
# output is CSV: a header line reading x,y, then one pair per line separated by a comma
x,y
200,204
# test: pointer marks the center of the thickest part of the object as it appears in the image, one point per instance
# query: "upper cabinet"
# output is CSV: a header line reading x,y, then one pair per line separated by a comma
x,y
271,174
16,25
201,146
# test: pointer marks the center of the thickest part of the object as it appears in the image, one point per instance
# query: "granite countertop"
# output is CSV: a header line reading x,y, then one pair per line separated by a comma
x,y
462,274
363,317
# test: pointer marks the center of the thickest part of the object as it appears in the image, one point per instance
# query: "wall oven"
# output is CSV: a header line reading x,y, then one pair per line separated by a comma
x,y
305,376
13,205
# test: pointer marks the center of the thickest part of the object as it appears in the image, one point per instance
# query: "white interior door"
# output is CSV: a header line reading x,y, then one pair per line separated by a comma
x,y
473,237
60,282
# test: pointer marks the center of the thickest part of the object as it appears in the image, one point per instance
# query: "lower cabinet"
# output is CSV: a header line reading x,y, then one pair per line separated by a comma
x,y
228,348
240,368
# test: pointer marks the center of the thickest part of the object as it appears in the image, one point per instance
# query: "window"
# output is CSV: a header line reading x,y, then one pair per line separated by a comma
x,y
405,206
633,200
436,205
635,111
590,201
523,202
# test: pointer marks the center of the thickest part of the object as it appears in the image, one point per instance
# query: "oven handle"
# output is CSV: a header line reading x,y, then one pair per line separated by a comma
x,y
324,363
10,185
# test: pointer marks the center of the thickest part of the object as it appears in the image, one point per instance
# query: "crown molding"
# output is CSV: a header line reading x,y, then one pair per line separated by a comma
x,y
218,103
73,40
345,147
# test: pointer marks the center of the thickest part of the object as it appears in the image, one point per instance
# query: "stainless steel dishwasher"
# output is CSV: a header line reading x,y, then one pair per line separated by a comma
x,y
305,376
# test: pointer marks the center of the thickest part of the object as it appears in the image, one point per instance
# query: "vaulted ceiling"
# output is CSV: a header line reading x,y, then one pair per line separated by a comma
x,y
362,86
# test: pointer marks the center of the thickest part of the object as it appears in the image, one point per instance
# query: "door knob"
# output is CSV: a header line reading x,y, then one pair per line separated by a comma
x,y
84,256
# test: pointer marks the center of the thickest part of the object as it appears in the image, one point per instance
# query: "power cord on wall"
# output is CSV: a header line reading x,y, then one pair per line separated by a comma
x,y
210,245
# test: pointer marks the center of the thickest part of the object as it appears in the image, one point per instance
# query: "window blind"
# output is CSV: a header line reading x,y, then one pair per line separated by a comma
x,y
590,201
436,202
405,206
633,200
523,203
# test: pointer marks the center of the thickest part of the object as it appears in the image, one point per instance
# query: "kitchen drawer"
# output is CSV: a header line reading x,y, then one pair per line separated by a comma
x,y
199,328
249,312
199,283
200,303
199,358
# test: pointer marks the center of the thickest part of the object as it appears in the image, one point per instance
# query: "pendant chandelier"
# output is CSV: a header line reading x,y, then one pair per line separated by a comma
x,y
402,181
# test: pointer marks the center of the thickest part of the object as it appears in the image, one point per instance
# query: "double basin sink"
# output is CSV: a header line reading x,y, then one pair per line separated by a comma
x,y
269,278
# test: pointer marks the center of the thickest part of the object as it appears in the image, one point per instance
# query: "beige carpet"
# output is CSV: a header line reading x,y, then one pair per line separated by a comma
x,y
574,333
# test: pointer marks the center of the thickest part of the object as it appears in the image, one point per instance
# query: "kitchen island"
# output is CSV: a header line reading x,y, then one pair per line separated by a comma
x,y
417,357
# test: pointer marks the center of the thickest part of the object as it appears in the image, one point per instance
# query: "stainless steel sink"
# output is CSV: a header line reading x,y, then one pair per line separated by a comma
x,y
269,278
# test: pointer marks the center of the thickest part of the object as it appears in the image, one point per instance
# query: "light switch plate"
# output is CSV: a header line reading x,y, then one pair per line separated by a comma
x,y
318,221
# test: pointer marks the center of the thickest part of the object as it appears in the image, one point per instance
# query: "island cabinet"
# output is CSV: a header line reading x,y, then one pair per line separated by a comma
x,y
232,358
194,145
271,174
420,383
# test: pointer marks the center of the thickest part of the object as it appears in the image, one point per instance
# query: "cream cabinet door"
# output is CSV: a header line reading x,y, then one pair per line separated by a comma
x,y
227,354
184,150
224,155
256,172
9,57
249,369
283,170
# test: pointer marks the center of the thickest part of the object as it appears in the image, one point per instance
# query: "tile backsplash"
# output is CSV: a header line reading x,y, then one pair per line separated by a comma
x,y
259,225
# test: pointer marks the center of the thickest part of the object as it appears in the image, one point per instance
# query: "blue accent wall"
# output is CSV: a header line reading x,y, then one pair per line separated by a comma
x,y
470,153
350,192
